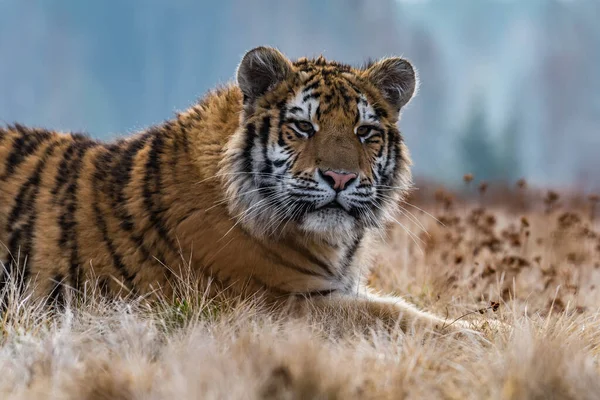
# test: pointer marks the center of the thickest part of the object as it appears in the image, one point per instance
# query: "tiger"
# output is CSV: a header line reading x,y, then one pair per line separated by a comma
x,y
276,184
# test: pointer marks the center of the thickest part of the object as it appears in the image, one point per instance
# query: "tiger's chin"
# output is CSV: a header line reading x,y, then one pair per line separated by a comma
x,y
334,225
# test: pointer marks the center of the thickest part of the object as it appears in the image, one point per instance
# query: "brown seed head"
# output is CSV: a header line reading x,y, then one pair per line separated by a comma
x,y
568,219
483,186
551,197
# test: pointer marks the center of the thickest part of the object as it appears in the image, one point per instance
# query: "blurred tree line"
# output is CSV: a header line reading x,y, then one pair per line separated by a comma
x,y
117,66
492,156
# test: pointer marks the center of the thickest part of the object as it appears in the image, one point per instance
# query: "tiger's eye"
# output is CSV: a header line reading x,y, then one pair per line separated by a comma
x,y
363,130
304,126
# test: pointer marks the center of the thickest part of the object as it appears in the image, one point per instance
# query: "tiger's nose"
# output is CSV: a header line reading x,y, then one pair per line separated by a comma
x,y
337,180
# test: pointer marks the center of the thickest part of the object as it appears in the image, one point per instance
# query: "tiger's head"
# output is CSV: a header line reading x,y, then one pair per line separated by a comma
x,y
318,147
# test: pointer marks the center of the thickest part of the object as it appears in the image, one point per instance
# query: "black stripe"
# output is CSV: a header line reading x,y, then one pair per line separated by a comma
x,y
151,202
13,261
306,253
270,289
24,145
397,140
264,140
65,167
313,95
207,272
279,292
67,202
316,293
318,112
287,264
349,256
248,146
121,178
313,85
27,233
357,117
390,143
153,177
66,220
56,297
188,214
175,157
380,111
103,286
318,262
21,237
120,172
184,129
383,142
29,190
4,278
21,204
346,97
280,140
265,130
118,263
351,84
279,163
374,140
63,170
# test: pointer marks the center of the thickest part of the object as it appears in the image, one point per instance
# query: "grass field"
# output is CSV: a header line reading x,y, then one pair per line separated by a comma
x,y
527,257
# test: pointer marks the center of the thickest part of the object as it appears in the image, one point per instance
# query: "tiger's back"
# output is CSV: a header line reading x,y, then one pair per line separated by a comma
x,y
74,210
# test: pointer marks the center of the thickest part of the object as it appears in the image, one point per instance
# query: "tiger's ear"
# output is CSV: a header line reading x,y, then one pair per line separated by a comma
x,y
260,70
396,79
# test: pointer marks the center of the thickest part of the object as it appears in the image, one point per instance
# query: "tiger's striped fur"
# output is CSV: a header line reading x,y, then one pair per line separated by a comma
x,y
237,183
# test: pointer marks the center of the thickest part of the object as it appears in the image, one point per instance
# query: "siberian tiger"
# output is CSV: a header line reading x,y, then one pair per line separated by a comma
x,y
275,185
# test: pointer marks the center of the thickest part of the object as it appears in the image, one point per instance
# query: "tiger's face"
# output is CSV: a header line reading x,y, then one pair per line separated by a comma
x,y
318,146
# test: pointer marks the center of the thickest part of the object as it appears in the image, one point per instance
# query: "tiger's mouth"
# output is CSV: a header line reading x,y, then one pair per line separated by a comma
x,y
332,205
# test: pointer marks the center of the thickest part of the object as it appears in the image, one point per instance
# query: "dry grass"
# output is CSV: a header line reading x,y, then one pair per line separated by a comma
x,y
530,259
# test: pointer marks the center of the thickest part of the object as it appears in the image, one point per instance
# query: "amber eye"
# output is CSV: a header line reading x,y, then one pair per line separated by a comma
x,y
304,127
363,130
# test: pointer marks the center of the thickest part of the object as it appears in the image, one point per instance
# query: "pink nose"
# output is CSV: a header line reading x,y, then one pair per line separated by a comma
x,y
338,180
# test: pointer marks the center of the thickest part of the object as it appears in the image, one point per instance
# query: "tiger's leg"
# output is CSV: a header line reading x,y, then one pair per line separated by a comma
x,y
392,309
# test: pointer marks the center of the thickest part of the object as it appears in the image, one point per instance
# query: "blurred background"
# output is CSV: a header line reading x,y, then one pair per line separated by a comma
x,y
509,88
